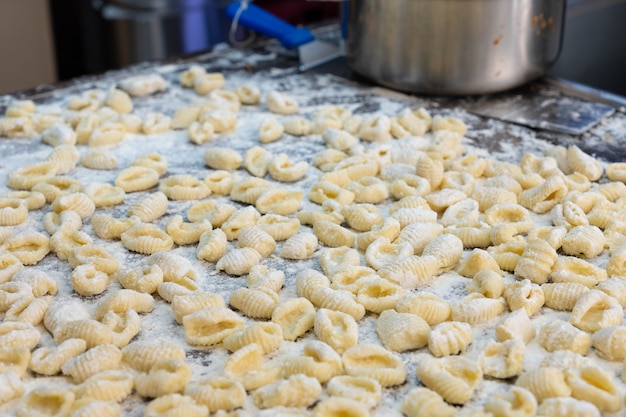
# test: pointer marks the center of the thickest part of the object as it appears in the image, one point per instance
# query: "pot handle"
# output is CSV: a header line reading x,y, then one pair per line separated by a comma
x,y
261,21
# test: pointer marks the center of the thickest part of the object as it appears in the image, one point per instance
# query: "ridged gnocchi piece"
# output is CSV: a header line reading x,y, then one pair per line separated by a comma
x,y
295,316
563,296
64,241
14,359
517,401
29,310
16,334
318,360
166,376
374,362
11,387
108,227
476,308
402,331
95,360
567,407
561,335
425,402
596,386
238,261
212,245
136,178
153,161
430,307
147,239
596,310
569,269
278,201
337,329
524,294
220,182
382,252
375,129
255,303
267,335
46,400
487,283
295,391
222,158
337,300
282,169
96,255
217,393
503,360
412,272
324,190
122,301
185,304
299,246
453,377
536,262
242,218
543,197
184,187
246,366
183,233
113,385
545,382
29,247
334,260
365,390
279,227
211,325
586,241
270,131
175,405
516,325
610,343
449,338
378,295
333,235
583,163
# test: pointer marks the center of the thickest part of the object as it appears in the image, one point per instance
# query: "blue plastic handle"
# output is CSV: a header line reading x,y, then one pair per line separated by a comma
x,y
259,20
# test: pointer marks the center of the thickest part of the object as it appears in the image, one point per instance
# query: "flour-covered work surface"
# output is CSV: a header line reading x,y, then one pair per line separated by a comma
x,y
202,239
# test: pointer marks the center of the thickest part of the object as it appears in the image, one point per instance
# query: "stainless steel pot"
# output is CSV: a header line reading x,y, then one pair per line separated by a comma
x,y
453,46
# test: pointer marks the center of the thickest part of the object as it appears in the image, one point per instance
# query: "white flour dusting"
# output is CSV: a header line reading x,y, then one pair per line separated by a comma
x,y
486,138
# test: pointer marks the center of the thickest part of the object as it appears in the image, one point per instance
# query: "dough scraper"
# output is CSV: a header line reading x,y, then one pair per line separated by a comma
x,y
312,52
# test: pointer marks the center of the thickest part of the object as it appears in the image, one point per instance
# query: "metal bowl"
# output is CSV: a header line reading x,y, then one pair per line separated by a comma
x,y
454,47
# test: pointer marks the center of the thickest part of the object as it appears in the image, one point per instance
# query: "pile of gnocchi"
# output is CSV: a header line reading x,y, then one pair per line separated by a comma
x,y
238,256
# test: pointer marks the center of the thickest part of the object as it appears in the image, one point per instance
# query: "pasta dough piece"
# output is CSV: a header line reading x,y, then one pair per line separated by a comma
x,y
335,328
143,85
29,247
402,331
610,343
587,241
545,382
596,386
563,296
184,187
449,338
295,316
14,359
152,160
166,376
183,305
596,310
261,276
11,387
212,245
268,336
424,402
175,405
248,94
516,325
453,377
318,360
146,238
503,360
256,303
281,168
77,202
365,390
524,294
374,362
184,233
430,307
108,227
238,261
220,182
48,361
518,401
46,400
211,325
295,391
270,130
104,195
299,246
278,201
566,407
150,207
476,308
217,393
257,160
137,178
281,103
97,359
340,406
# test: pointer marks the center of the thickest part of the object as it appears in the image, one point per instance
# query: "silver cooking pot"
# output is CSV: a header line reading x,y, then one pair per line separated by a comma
x,y
453,46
